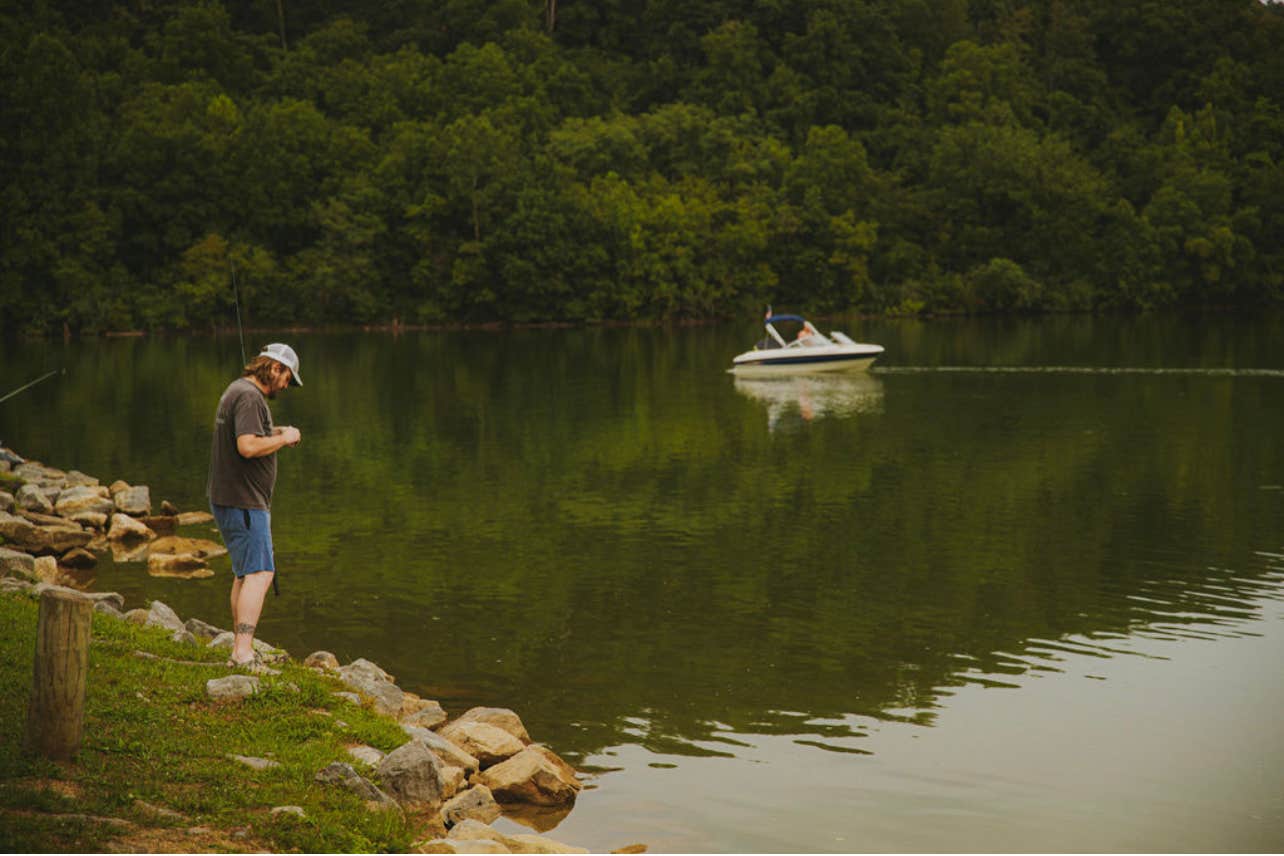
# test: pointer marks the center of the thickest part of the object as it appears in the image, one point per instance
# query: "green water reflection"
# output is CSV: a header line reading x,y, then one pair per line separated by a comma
x,y
607,532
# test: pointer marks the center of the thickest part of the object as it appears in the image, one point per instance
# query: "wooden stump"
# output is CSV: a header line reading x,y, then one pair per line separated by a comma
x,y
57,710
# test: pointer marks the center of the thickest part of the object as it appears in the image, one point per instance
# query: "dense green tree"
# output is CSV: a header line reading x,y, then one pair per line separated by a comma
x,y
452,159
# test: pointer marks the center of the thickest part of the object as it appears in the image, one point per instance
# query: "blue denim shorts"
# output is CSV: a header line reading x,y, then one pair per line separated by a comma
x,y
247,532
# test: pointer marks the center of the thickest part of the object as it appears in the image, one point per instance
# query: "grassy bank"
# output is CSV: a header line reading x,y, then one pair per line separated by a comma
x,y
153,772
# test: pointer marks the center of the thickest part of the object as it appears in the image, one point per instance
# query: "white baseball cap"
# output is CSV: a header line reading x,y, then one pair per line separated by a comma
x,y
284,355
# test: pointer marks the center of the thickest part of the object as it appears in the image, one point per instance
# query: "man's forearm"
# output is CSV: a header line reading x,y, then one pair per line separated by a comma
x,y
254,446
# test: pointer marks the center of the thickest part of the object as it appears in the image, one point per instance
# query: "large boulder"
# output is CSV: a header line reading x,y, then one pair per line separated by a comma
x,y
500,717
232,687
201,630
485,742
126,529
444,749
160,615
75,478
534,775
135,501
79,558
29,537
476,803
16,563
385,696
32,498
202,547
339,773
46,569
6,501
413,774
77,499
181,565
422,712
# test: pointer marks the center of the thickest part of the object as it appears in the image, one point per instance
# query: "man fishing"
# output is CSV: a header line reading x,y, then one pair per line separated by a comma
x,y
242,476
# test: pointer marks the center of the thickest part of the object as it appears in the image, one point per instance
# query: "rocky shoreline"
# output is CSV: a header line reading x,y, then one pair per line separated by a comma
x,y
459,774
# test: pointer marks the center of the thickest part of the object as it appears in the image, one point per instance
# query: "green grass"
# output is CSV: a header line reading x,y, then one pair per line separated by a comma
x,y
152,734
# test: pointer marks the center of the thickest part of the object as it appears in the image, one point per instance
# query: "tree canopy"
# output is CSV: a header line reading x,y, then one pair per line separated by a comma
x,y
423,161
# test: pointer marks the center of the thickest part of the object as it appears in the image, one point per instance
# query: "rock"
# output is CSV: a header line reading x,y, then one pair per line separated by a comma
x,y
107,609
75,478
42,519
160,563
115,598
13,584
429,716
527,843
534,775
413,774
6,501
444,845
126,528
77,499
117,486
385,696
161,524
90,519
476,803
157,812
183,637
46,569
322,660
192,518
134,551
343,774
168,508
366,755
134,501
161,615
22,533
364,667
16,562
232,687
32,498
474,831
444,749
488,744
500,717
200,629
350,697
137,616
79,558
254,763
201,547
288,810
16,530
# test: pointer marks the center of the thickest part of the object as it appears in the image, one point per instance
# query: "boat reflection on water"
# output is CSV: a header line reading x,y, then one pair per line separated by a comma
x,y
795,399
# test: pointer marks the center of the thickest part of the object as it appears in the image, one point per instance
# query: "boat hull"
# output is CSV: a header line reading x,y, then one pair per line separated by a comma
x,y
812,360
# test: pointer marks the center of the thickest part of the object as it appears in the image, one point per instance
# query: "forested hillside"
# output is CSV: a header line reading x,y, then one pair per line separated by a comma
x,y
468,160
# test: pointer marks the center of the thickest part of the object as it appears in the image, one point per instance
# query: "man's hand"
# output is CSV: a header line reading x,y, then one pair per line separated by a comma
x,y
254,446
289,433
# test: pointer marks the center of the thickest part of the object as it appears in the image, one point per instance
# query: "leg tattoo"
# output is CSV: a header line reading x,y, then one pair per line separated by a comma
x,y
245,628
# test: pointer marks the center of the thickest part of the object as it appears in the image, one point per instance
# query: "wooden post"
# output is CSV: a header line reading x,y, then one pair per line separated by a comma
x,y
57,710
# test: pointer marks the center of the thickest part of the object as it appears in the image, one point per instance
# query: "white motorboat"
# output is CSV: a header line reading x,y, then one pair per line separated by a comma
x,y
809,351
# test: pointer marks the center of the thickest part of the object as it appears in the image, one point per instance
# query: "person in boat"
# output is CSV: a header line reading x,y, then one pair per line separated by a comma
x,y
241,479
807,336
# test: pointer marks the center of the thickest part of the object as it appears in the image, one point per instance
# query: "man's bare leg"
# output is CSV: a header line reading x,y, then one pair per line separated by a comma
x,y
246,610
236,594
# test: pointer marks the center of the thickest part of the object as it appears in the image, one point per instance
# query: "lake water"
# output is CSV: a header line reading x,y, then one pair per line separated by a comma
x,y
1019,588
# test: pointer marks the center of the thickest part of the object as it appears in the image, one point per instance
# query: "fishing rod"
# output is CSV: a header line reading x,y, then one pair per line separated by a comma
x,y
237,298
26,386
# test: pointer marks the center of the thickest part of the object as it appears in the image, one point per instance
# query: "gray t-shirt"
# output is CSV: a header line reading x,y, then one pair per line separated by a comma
x,y
235,480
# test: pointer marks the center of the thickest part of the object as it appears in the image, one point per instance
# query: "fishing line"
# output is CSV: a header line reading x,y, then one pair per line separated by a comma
x,y
32,383
1081,370
237,298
